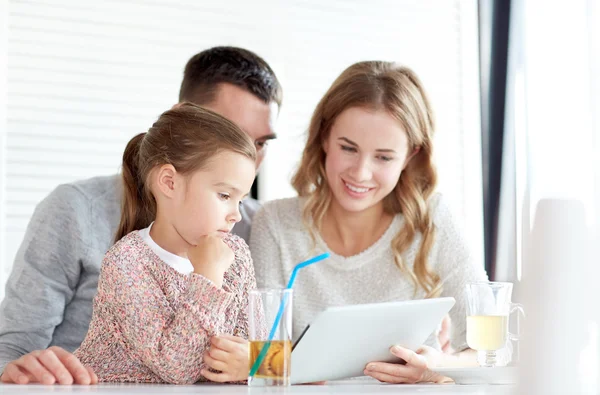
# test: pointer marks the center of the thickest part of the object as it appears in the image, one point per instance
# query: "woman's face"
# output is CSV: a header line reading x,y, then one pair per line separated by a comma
x,y
365,154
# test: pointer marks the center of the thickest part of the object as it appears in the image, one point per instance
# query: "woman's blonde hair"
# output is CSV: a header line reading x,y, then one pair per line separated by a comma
x,y
376,85
187,137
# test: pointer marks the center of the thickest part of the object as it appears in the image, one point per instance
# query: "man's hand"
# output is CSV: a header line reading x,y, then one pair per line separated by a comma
x,y
50,366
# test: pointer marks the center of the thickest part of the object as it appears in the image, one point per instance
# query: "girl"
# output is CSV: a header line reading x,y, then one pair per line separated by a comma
x,y
172,294
366,193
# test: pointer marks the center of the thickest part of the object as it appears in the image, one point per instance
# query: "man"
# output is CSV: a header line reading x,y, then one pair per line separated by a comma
x,y
49,293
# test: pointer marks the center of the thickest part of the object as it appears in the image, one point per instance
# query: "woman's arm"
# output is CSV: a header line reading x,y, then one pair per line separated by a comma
x,y
454,264
418,365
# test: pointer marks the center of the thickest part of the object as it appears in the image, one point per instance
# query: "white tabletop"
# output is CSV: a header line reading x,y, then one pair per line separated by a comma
x,y
341,387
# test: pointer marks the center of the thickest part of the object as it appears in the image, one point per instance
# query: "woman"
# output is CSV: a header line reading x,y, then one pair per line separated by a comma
x,y
366,194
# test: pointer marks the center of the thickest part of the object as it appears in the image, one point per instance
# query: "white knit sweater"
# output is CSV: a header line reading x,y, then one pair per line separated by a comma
x,y
279,240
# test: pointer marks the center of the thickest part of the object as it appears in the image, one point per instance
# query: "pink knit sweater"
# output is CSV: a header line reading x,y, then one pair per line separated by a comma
x,y
153,324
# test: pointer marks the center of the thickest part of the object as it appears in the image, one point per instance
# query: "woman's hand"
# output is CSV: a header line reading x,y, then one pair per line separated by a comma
x,y
416,369
443,335
229,355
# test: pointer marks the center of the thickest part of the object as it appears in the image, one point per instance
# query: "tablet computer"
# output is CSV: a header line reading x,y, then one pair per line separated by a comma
x,y
341,341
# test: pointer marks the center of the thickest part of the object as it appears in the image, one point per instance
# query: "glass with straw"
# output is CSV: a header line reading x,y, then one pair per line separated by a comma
x,y
264,306
270,332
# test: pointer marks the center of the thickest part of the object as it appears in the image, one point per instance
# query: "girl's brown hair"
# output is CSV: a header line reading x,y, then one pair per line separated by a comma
x,y
187,137
396,89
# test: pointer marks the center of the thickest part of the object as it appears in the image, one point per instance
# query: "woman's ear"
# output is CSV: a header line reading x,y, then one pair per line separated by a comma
x,y
165,180
409,157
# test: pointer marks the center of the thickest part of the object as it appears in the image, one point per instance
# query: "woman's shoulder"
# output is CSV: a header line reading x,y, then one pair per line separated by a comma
x,y
286,211
441,210
448,227
291,204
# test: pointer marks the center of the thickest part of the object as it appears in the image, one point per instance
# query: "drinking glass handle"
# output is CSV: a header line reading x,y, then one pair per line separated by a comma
x,y
518,308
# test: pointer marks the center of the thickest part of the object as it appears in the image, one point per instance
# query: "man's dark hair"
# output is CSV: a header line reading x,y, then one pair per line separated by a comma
x,y
237,66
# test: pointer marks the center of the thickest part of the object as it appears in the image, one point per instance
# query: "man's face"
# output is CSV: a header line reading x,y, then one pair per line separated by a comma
x,y
250,113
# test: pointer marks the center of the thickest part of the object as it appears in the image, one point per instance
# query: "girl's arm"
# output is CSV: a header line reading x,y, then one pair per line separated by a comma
x,y
249,284
169,340
229,354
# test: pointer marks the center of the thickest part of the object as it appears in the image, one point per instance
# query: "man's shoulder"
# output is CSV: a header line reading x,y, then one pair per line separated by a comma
x,y
101,187
249,207
88,191
98,198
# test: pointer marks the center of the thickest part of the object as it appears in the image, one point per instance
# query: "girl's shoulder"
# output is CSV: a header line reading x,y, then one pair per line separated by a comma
x,y
130,250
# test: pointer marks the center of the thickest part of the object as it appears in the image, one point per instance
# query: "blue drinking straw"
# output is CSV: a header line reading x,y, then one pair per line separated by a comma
x,y
265,348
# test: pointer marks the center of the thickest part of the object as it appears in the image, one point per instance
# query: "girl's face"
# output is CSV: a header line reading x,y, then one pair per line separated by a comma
x,y
366,152
209,202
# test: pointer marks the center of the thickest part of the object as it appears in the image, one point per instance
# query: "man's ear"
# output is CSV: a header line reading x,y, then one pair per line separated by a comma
x,y
409,157
165,180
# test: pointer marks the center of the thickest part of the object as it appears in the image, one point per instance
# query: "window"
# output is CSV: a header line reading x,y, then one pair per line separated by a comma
x,y
84,77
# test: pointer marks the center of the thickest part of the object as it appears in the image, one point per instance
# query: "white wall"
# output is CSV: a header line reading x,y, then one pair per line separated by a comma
x,y
558,73
552,91
86,76
3,106
438,39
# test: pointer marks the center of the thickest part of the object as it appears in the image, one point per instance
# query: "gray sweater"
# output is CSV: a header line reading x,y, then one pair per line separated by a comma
x,y
280,240
54,278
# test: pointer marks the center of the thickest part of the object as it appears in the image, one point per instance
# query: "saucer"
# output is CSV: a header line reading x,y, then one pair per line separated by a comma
x,y
478,375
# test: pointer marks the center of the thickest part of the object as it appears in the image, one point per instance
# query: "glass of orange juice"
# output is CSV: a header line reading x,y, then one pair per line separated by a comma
x,y
489,306
264,306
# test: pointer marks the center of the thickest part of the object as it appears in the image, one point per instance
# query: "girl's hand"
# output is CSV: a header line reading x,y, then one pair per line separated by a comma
x,y
416,369
229,355
211,258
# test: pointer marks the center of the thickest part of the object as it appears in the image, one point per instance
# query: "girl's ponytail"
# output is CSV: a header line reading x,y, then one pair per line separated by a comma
x,y
137,209
186,137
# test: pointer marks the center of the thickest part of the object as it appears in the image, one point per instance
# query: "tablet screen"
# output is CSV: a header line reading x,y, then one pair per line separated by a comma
x,y
300,338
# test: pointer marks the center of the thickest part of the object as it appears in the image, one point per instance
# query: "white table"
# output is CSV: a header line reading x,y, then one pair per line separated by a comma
x,y
336,387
